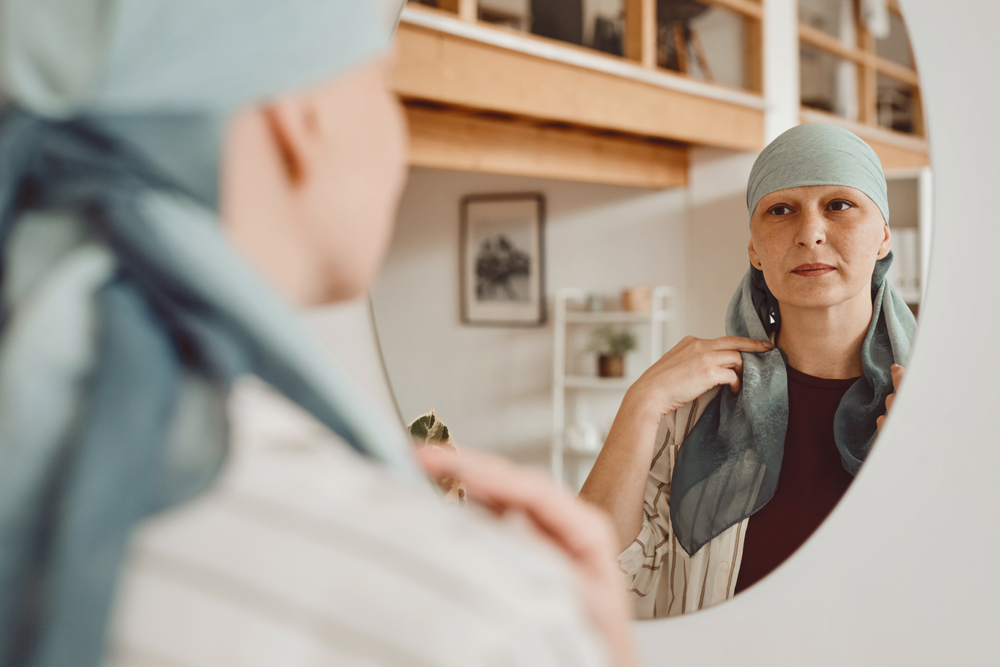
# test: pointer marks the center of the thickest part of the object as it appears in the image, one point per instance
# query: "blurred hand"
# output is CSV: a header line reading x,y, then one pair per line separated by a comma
x,y
897,377
581,532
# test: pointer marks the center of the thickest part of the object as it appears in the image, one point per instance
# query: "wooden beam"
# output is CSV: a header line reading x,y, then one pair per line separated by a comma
x,y
749,8
918,126
451,139
867,74
466,9
753,53
819,39
860,55
897,71
640,31
456,71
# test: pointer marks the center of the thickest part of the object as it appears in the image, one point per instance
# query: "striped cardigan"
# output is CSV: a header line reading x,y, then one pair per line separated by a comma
x,y
662,578
304,554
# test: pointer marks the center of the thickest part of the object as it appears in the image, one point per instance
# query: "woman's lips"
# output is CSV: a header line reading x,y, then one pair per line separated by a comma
x,y
812,269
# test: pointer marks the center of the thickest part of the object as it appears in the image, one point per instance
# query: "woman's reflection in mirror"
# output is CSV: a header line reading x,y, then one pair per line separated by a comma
x,y
726,454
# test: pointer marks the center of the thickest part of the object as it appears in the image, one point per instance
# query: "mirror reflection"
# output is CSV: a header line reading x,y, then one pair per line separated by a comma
x,y
665,301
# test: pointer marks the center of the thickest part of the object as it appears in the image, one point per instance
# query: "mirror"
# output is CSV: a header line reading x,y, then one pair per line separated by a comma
x,y
541,394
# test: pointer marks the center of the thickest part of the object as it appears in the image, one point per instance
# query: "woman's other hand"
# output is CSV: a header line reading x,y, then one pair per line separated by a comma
x,y
897,377
581,532
691,368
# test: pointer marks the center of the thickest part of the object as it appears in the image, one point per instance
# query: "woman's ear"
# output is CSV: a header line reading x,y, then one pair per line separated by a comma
x,y
293,127
754,260
886,244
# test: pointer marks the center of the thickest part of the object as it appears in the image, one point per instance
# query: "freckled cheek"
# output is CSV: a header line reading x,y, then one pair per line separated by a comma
x,y
770,248
857,243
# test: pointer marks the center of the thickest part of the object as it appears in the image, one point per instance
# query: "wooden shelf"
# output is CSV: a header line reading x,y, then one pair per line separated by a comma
x,y
467,65
468,141
609,317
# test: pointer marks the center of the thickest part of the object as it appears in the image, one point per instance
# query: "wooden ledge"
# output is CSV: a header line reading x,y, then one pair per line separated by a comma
x,y
445,68
468,141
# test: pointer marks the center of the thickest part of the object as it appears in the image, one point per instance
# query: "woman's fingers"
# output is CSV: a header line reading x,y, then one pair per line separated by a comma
x,y
897,375
897,378
734,381
741,344
501,486
735,374
583,533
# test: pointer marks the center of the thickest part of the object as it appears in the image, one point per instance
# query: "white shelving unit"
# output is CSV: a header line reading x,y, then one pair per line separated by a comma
x,y
910,206
658,321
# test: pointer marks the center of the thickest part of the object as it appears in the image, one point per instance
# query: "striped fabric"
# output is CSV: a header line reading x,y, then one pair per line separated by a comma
x,y
304,554
662,578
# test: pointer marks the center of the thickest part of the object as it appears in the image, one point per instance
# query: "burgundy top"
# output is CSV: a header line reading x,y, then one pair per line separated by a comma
x,y
811,481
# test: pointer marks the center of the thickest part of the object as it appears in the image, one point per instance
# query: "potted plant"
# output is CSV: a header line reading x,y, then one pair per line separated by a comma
x,y
612,344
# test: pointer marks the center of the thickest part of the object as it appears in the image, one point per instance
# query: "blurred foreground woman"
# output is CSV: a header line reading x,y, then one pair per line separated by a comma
x,y
131,320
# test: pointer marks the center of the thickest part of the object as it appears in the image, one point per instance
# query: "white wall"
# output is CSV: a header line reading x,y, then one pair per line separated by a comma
x,y
718,230
493,385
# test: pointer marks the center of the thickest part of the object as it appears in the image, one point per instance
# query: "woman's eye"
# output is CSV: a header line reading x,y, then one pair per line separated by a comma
x,y
780,209
840,205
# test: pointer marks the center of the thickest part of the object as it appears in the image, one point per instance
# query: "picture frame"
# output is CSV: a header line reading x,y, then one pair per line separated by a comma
x,y
502,259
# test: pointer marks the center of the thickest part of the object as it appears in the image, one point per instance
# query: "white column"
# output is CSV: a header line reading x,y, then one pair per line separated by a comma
x,y
781,67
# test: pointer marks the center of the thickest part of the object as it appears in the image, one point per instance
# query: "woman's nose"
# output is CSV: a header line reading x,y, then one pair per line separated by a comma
x,y
811,230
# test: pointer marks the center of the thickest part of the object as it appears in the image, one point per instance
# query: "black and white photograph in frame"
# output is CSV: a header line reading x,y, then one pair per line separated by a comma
x,y
502,257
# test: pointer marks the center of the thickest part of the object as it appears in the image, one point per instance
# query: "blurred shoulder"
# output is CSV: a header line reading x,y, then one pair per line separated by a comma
x,y
307,548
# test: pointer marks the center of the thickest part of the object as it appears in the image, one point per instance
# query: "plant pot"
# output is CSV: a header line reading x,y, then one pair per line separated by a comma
x,y
611,365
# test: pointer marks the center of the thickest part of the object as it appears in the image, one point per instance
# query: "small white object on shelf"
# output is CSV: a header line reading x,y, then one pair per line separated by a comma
x,y
566,439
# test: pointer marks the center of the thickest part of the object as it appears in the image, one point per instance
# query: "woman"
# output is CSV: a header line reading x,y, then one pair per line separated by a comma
x,y
130,320
777,417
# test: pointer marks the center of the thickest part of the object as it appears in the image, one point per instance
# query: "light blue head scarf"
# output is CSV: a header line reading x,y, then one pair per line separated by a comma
x,y
727,467
125,314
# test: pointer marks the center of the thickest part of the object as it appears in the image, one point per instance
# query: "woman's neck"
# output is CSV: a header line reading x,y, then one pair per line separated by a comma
x,y
826,342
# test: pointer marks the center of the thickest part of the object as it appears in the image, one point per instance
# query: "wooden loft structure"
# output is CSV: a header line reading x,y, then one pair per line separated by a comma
x,y
898,151
481,97
487,98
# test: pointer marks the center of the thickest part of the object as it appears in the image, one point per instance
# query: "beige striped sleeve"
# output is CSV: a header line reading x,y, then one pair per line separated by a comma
x,y
662,578
305,555
641,561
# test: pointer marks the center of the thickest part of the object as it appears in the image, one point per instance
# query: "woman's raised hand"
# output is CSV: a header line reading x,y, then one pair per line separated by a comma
x,y
897,377
690,369
617,482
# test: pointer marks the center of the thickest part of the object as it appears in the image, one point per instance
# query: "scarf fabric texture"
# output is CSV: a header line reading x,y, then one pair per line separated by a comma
x,y
727,468
126,314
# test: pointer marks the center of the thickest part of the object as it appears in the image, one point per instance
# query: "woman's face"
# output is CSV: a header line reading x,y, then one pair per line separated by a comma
x,y
817,245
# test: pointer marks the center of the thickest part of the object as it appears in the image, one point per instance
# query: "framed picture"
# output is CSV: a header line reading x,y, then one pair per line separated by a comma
x,y
502,259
